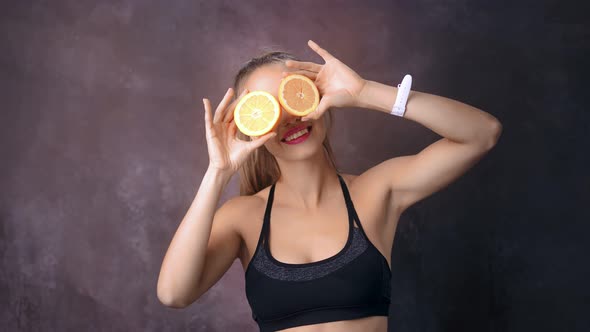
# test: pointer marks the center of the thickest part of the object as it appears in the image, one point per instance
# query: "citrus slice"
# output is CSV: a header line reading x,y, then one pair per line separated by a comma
x,y
298,94
257,113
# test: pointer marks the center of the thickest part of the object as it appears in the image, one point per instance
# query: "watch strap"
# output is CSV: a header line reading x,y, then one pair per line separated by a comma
x,y
403,91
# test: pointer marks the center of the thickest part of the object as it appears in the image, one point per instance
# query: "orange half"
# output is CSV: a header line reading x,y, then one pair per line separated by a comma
x,y
298,94
257,113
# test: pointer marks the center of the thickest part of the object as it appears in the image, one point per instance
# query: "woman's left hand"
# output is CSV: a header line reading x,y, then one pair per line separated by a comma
x,y
338,84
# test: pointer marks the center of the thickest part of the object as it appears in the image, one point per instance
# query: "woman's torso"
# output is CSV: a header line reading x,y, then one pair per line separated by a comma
x,y
322,234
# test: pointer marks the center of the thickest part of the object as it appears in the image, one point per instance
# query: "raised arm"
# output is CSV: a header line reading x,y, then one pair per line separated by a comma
x,y
206,242
468,134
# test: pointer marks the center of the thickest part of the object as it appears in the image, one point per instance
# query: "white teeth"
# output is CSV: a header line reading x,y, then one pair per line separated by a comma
x,y
297,134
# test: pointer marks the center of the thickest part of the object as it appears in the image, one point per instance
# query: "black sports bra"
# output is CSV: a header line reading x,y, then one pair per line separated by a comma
x,y
353,283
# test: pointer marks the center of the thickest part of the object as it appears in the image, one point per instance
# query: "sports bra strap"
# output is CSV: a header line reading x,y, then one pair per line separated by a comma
x,y
347,199
265,222
349,204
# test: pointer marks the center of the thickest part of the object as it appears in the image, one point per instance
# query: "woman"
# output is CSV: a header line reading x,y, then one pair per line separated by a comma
x,y
318,273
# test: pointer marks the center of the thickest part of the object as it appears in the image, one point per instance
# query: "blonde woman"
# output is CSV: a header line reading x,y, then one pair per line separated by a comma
x,y
324,264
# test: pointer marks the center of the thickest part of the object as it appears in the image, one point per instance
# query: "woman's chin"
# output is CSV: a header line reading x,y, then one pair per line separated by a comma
x,y
301,151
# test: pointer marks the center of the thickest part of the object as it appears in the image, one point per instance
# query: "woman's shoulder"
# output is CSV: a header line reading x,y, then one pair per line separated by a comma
x,y
244,211
247,202
365,182
248,205
349,178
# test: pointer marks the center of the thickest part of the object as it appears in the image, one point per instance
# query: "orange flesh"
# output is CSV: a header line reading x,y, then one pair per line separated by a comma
x,y
299,95
257,115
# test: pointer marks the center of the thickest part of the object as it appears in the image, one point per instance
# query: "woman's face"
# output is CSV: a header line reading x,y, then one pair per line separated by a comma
x,y
268,78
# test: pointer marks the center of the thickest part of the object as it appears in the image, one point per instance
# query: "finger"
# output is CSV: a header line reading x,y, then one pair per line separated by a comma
x,y
262,139
223,105
208,124
306,73
311,66
233,129
325,103
311,116
229,112
322,52
317,113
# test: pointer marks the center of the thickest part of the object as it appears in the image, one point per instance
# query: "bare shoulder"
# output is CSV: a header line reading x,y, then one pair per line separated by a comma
x,y
372,198
368,184
247,212
348,178
236,204
241,207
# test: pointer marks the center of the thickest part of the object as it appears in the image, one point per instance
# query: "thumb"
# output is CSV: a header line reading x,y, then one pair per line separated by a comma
x,y
323,105
261,140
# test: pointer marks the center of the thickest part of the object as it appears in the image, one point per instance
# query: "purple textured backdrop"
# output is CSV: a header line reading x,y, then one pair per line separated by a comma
x,y
102,147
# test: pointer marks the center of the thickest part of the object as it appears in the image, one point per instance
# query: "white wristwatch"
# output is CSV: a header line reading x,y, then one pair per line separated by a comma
x,y
403,91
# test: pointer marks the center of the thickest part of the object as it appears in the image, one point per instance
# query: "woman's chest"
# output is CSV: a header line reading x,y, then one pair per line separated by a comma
x,y
300,236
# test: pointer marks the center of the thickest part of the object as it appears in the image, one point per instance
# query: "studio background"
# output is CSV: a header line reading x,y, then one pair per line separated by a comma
x,y
103,147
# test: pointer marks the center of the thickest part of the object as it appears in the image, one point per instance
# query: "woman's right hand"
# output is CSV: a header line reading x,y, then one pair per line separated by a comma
x,y
226,151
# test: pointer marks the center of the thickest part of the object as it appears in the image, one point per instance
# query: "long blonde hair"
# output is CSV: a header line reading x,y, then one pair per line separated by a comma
x,y
261,168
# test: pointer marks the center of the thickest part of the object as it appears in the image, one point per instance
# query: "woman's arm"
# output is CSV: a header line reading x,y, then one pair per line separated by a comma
x,y
468,133
203,247
207,241
449,118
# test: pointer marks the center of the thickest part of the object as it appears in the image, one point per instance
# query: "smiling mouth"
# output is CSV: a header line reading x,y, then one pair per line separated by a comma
x,y
308,129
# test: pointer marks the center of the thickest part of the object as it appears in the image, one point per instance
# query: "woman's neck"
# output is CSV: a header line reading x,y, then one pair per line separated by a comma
x,y
307,182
